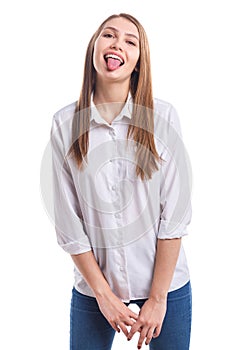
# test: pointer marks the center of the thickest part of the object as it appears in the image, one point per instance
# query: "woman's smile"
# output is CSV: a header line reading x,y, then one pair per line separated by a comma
x,y
113,61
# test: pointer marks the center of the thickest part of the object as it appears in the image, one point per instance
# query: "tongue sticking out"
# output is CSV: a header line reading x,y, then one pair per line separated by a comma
x,y
113,63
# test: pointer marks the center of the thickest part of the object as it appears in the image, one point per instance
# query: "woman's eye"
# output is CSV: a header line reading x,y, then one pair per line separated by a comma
x,y
131,42
107,35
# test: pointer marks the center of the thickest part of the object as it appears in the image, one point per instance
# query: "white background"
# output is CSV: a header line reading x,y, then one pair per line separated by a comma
x,y
42,52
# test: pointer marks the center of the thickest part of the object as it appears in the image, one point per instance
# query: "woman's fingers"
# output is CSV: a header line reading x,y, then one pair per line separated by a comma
x,y
121,324
149,336
133,315
129,321
157,331
145,333
115,326
123,328
124,323
135,328
117,314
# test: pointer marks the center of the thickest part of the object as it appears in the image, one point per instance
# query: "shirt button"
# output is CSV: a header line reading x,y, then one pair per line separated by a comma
x,y
117,215
121,268
114,188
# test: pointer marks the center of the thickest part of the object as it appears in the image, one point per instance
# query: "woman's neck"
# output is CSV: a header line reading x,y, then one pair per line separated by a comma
x,y
110,99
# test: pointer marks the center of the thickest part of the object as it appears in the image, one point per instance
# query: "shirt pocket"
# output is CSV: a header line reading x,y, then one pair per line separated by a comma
x,y
132,164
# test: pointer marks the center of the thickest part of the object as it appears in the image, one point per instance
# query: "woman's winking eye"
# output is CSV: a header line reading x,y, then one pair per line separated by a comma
x,y
131,42
108,35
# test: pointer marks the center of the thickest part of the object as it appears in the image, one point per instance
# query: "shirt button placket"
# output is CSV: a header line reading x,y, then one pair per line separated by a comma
x,y
120,254
117,216
112,133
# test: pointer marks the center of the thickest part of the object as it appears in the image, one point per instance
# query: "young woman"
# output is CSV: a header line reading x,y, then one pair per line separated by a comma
x,y
122,198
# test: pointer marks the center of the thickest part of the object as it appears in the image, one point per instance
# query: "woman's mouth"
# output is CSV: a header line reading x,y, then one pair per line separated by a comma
x,y
113,61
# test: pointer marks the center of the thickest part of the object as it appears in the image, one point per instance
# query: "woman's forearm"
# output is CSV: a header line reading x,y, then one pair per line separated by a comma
x,y
114,310
166,258
153,311
90,270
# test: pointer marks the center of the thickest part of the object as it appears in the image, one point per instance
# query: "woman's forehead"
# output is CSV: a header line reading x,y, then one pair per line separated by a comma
x,y
123,25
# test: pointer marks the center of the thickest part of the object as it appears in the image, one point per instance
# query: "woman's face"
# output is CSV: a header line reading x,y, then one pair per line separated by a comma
x,y
116,50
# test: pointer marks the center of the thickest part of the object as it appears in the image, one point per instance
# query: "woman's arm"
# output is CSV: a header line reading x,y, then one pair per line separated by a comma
x,y
152,314
115,311
88,267
166,259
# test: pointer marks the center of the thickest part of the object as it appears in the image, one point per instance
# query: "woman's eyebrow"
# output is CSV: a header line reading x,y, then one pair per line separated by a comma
x,y
116,30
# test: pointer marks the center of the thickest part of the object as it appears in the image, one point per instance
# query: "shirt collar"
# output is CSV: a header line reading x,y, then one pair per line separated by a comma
x,y
125,112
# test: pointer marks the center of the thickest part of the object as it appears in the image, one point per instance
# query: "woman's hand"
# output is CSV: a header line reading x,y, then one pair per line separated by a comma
x,y
116,312
150,320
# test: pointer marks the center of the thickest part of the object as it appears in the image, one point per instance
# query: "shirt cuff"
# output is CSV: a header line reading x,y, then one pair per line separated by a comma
x,y
75,248
171,230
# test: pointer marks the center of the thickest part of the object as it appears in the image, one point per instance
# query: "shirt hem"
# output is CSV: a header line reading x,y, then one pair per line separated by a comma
x,y
133,298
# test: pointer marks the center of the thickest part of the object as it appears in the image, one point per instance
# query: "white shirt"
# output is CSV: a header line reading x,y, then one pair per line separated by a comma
x,y
107,209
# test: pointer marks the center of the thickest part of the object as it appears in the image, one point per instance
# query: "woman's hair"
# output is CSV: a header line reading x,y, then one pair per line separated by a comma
x,y
141,128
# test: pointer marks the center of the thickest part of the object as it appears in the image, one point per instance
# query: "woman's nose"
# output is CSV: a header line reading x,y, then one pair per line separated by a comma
x,y
117,45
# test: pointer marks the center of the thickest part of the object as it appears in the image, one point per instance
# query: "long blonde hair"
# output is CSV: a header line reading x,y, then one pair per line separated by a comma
x,y
141,128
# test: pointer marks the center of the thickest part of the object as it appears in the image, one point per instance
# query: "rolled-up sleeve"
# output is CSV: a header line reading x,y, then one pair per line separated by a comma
x,y
175,184
70,230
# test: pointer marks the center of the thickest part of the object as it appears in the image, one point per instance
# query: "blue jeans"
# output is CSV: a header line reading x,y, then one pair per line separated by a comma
x,y
89,329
